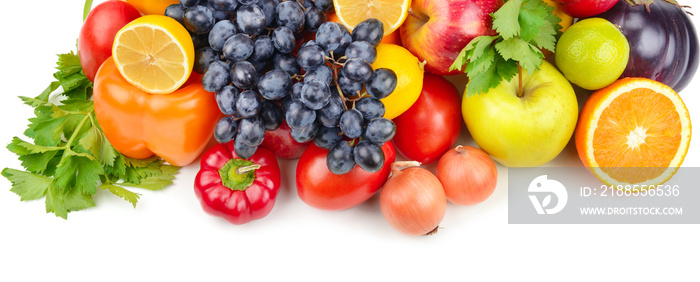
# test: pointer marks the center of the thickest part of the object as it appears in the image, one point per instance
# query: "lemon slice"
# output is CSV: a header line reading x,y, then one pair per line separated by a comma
x,y
392,13
154,53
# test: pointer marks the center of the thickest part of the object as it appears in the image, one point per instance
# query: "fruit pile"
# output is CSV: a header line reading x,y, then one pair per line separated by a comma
x,y
344,85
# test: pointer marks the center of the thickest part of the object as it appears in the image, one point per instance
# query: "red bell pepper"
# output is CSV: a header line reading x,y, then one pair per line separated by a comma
x,y
238,190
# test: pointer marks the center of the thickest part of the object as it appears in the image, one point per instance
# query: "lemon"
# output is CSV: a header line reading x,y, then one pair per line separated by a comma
x,y
592,53
392,13
154,53
409,77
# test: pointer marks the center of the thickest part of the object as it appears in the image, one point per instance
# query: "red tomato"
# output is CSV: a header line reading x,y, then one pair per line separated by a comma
x,y
320,188
433,124
97,34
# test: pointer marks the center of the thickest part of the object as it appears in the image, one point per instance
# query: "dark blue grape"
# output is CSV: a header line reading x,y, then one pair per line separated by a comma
x,y
310,57
322,73
225,130
313,18
324,5
220,33
305,134
224,5
370,108
291,15
251,131
344,42
382,83
368,156
271,115
370,30
198,19
248,103
315,94
348,86
203,58
263,49
362,50
328,137
287,63
296,91
226,100
351,123
299,116
247,2
286,103
329,35
238,47
260,67
268,7
250,19
244,75
189,3
177,12
306,3
220,15
340,159
329,116
215,76
200,40
275,84
283,38
380,130
242,150
357,70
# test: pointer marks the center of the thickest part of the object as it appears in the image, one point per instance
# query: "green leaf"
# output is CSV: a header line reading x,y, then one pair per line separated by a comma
x,y
79,172
532,18
507,69
29,186
96,143
505,20
48,133
123,193
156,181
37,163
117,170
131,162
61,202
529,57
483,82
44,96
67,60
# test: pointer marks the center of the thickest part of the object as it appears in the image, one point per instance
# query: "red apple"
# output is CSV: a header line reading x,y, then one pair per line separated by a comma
x,y
437,30
585,8
280,142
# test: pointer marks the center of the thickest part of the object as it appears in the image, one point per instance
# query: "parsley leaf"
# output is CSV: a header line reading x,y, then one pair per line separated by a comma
x,y
524,27
69,157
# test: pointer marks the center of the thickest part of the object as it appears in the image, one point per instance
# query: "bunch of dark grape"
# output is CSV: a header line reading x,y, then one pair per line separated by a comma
x,y
257,57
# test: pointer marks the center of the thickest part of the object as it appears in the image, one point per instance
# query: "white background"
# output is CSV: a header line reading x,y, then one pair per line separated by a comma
x,y
167,236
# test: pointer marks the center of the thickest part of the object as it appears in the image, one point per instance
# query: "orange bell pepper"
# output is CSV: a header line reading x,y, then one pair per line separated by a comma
x,y
175,126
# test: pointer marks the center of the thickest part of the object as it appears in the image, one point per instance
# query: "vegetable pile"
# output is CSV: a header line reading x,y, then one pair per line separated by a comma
x,y
361,107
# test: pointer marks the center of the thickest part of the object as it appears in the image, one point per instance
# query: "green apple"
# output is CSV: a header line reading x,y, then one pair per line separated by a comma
x,y
524,130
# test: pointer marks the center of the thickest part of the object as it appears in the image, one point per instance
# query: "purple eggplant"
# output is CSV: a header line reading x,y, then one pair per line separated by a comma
x,y
662,39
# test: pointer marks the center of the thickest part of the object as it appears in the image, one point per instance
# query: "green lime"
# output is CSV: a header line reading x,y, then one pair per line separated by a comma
x,y
592,53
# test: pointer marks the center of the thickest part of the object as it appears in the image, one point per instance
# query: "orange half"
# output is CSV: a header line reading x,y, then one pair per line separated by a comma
x,y
635,131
